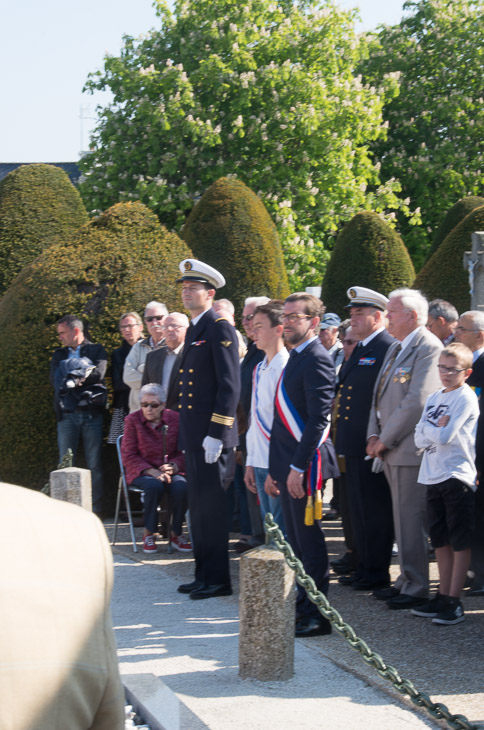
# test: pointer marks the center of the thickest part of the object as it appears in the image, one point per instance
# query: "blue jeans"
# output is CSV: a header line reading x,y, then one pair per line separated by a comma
x,y
268,503
90,427
153,492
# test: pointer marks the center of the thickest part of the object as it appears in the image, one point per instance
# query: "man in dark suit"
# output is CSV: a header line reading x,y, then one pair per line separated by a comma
x,y
369,496
209,392
162,365
299,442
470,331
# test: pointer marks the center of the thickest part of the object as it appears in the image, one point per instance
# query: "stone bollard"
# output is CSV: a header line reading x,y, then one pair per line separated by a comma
x,y
267,616
72,485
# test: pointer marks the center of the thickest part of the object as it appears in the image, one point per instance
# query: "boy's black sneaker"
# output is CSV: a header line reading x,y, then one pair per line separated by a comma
x,y
453,613
432,608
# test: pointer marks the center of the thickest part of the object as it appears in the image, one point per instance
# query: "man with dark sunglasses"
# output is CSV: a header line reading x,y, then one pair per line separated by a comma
x,y
134,365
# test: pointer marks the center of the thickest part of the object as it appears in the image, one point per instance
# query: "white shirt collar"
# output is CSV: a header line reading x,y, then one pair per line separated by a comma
x,y
368,339
407,341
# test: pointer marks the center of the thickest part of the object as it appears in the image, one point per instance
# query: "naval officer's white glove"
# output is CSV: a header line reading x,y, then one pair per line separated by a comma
x,y
377,465
213,449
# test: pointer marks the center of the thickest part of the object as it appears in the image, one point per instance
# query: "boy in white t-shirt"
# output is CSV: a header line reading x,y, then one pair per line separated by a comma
x,y
447,433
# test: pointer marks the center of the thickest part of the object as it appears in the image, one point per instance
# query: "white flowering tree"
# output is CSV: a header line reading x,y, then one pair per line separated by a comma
x,y
262,90
436,123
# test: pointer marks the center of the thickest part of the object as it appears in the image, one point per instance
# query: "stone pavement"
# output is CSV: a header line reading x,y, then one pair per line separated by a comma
x,y
193,647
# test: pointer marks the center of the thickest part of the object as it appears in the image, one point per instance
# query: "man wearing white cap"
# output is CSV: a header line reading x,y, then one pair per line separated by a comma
x,y
369,496
209,385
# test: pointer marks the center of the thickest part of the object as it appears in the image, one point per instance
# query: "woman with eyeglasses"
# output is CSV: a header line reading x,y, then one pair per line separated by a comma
x,y
131,329
153,462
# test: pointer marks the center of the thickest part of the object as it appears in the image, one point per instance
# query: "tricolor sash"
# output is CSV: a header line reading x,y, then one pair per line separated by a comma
x,y
295,425
263,428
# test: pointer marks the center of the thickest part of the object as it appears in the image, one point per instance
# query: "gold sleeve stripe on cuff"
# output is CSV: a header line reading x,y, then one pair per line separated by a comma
x,y
224,420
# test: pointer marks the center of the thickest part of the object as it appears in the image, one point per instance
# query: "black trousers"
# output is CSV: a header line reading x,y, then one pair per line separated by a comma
x,y
370,504
207,505
309,546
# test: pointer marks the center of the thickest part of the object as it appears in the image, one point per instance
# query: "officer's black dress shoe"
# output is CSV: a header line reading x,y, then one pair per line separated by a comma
x,y
310,626
189,587
403,600
369,585
384,594
347,580
211,591
475,591
346,564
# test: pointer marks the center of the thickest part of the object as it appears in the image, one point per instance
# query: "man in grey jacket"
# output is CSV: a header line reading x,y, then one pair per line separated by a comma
x,y
408,375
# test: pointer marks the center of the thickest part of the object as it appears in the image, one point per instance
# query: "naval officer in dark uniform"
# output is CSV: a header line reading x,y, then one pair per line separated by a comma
x,y
308,383
368,492
209,389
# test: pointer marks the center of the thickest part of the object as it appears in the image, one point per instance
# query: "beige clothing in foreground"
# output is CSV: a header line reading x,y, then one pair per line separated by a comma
x,y
58,664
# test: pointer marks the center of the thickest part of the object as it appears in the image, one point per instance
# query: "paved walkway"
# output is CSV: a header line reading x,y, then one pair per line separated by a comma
x,y
193,647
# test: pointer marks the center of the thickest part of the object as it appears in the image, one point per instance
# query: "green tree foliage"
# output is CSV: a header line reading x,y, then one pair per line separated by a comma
x,y
260,89
454,216
115,263
367,253
39,206
444,275
436,123
230,229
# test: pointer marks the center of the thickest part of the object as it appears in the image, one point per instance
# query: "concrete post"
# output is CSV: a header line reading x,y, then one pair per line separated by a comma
x,y
474,263
72,485
267,616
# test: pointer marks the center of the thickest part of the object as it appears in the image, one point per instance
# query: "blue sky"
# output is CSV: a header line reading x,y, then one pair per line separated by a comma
x,y
49,47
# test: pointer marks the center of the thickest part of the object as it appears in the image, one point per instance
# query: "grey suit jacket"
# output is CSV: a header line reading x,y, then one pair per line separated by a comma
x,y
413,376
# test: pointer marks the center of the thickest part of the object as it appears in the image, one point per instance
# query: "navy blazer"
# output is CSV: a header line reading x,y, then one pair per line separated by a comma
x,y
209,383
309,380
357,379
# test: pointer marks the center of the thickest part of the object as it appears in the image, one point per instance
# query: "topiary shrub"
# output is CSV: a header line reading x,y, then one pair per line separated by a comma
x,y
230,229
444,275
367,252
39,206
458,212
115,263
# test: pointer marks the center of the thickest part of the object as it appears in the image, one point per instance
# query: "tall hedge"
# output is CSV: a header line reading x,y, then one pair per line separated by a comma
x,y
115,263
444,275
230,229
458,212
367,252
39,206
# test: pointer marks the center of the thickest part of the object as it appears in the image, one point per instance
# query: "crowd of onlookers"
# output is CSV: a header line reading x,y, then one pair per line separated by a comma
x,y
405,419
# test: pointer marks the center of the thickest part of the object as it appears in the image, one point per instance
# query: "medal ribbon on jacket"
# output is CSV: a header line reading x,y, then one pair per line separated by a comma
x,y
314,478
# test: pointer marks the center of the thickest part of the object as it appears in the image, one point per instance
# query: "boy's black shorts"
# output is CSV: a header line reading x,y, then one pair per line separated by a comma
x,y
450,509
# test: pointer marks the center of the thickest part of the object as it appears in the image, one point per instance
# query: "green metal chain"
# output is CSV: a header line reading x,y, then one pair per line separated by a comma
x,y
404,686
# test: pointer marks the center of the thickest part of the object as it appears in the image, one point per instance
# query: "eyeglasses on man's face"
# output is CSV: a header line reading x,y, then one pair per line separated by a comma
x,y
295,317
450,371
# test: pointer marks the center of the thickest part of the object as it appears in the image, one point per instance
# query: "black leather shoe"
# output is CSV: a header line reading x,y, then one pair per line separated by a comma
x,y
403,600
347,580
189,587
475,591
309,626
384,594
211,591
368,585
346,564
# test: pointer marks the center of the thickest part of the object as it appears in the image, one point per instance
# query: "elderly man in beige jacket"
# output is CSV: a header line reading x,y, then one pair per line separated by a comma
x,y
58,665
408,375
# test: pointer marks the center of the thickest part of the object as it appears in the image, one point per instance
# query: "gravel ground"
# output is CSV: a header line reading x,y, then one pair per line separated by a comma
x,y
443,661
